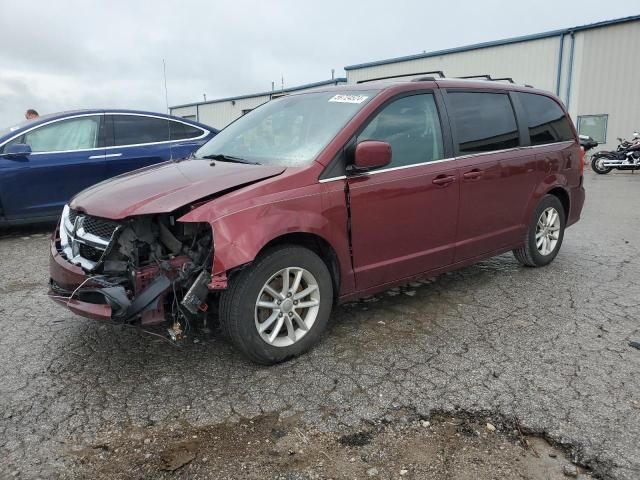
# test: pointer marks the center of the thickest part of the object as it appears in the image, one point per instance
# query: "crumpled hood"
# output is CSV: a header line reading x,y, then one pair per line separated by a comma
x,y
165,187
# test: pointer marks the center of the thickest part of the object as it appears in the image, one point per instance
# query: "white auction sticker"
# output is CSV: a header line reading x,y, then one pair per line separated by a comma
x,y
348,98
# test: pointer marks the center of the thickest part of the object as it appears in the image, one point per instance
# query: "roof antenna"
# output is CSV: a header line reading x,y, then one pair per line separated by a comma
x,y
166,101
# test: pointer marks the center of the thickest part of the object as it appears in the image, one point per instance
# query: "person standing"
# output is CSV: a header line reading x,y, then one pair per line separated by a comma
x,y
31,114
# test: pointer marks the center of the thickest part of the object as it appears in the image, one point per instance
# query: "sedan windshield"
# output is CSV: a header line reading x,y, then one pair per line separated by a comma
x,y
290,131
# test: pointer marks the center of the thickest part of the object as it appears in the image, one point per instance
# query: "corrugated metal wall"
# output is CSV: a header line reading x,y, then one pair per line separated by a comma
x,y
534,62
605,78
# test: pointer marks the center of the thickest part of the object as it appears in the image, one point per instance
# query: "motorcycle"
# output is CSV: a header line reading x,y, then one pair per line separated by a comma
x,y
625,157
587,143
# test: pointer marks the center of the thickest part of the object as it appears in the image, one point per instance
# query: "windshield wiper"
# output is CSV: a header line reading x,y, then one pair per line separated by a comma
x,y
228,158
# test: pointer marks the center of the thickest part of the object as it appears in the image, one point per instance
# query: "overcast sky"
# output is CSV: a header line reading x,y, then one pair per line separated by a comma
x,y
62,55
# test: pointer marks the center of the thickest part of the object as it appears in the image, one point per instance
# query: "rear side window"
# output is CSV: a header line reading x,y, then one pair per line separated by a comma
x,y
134,129
483,122
546,121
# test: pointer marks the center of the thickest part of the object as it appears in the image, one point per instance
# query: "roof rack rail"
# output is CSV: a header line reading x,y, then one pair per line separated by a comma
x,y
486,77
507,79
438,72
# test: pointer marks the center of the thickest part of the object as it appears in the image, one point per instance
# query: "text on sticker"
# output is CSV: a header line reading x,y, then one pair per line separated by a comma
x,y
348,98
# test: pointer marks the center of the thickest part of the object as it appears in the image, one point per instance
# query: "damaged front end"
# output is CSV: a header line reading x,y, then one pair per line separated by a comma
x,y
144,270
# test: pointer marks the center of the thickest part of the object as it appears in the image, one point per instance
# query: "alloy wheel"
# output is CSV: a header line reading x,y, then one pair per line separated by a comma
x,y
287,306
548,231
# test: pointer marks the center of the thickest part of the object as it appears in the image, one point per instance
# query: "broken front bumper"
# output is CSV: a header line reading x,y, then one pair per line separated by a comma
x,y
66,277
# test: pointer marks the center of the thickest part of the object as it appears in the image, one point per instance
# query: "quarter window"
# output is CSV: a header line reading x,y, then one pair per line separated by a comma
x,y
546,121
483,122
182,131
135,129
411,126
73,134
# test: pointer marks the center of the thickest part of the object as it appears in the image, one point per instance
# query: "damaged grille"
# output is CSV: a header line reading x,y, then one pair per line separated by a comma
x,y
90,253
83,238
99,227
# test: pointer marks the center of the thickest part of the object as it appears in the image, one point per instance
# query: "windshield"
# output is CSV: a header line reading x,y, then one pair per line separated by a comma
x,y
289,131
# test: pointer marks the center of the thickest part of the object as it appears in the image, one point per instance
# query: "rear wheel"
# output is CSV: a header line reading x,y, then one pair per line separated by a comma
x,y
544,235
278,307
597,165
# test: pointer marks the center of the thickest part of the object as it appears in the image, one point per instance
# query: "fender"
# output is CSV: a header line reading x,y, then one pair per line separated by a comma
x,y
551,181
239,236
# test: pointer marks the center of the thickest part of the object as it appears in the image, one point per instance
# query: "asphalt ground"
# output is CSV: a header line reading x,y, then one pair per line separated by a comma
x,y
545,350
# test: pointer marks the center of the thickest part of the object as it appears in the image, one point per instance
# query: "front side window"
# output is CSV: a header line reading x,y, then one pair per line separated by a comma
x,y
73,134
290,131
483,122
546,121
411,126
136,129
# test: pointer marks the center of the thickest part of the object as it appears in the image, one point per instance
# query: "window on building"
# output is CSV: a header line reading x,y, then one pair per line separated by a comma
x,y
483,122
411,126
594,126
546,121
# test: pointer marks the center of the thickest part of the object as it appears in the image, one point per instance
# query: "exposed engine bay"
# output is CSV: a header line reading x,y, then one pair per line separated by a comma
x,y
149,269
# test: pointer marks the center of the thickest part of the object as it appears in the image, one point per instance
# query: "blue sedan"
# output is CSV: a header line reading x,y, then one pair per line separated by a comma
x,y
44,162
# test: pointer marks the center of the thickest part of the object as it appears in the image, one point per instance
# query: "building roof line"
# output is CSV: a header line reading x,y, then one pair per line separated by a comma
x,y
494,43
270,92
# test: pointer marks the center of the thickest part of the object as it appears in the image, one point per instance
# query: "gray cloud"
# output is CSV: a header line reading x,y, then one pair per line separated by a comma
x,y
75,54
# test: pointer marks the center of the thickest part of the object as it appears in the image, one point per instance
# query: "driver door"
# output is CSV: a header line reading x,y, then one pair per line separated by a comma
x,y
404,215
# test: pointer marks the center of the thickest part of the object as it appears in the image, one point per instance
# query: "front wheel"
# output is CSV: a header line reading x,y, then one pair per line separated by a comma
x,y
597,165
278,307
544,235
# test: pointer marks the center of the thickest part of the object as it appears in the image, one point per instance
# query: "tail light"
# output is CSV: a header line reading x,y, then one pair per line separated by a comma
x,y
581,160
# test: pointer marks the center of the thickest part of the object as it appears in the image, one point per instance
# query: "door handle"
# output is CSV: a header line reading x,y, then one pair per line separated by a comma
x,y
109,155
472,175
443,180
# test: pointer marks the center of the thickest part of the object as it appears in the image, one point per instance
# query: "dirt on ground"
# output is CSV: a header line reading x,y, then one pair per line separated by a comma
x,y
401,445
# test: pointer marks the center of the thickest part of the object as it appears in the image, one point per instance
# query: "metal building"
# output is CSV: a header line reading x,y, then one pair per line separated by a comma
x,y
219,113
592,68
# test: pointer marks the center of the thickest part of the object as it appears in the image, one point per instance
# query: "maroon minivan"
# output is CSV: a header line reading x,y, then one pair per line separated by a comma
x,y
321,197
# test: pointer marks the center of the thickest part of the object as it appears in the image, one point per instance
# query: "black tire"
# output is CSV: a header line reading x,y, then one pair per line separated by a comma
x,y
529,255
238,303
596,168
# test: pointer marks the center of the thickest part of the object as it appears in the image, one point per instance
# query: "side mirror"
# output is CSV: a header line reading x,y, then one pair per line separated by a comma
x,y
17,150
371,154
